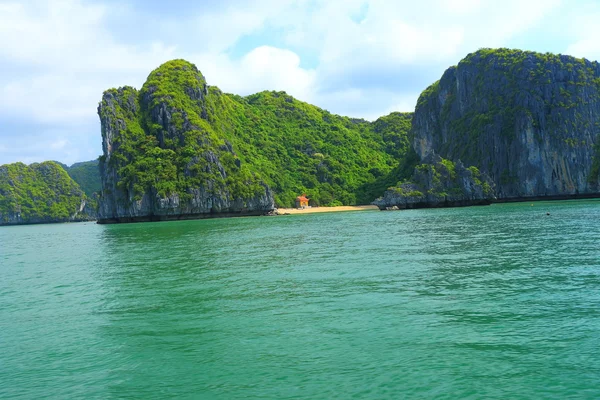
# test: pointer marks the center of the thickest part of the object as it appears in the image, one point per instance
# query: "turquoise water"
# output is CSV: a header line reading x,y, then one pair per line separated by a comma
x,y
483,302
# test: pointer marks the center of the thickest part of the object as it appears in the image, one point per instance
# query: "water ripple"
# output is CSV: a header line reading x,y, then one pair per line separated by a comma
x,y
483,302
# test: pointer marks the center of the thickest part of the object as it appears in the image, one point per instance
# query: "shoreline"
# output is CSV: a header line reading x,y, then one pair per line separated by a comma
x,y
504,200
313,210
295,211
556,197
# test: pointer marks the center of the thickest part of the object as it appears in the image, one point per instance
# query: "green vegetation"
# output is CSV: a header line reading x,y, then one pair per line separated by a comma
x,y
440,179
403,191
393,129
437,176
177,134
41,192
477,179
87,176
299,148
429,93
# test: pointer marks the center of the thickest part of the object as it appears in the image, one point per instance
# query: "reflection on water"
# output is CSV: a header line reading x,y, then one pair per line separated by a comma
x,y
499,301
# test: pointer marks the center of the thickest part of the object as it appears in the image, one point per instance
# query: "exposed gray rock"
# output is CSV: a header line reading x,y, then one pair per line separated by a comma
x,y
439,183
530,121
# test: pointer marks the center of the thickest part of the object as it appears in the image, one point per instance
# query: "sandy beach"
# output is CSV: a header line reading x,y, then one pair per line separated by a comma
x,y
283,211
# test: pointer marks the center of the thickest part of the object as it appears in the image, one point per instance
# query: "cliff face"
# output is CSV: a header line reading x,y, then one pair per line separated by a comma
x,y
40,193
439,183
161,159
530,121
180,149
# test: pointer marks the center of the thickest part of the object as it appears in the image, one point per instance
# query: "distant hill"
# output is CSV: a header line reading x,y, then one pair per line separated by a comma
x,y
40,193
87,175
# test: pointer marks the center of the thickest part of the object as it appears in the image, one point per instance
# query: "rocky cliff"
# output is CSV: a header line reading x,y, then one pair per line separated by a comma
x,y
161,160
439,183
180,149
530,121
40,193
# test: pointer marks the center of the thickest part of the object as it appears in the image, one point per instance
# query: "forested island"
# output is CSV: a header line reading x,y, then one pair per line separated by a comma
x,y
43,193
502,125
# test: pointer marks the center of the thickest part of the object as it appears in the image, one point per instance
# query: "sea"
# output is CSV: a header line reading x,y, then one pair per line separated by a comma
x,y
494,302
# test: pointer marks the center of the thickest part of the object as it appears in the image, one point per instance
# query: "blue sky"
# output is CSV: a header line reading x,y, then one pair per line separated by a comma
x,y
361,58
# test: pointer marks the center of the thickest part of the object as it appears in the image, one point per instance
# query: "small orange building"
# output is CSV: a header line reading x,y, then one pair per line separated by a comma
x,y
301,201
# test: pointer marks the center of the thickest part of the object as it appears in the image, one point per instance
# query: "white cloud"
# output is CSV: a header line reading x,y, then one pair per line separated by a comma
x,y
430,35
59,144
586,48
263,68
70,59
585,32
46,144
41,33
277,69
460,7
371,57
218,30
369,103
401,33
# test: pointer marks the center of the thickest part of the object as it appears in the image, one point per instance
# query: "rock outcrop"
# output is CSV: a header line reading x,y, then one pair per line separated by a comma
x,y
530,121
41,193
161,160
439,183
179,149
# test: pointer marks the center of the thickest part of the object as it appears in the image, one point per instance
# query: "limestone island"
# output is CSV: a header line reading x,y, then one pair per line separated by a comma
x,y
502,125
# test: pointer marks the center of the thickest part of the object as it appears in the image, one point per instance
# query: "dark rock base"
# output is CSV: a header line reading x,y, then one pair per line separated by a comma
x,y
579,196
45,222
411,206
180,217
442,204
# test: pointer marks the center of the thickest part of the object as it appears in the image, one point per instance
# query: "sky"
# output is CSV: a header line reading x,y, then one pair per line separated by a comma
x,y
360,58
